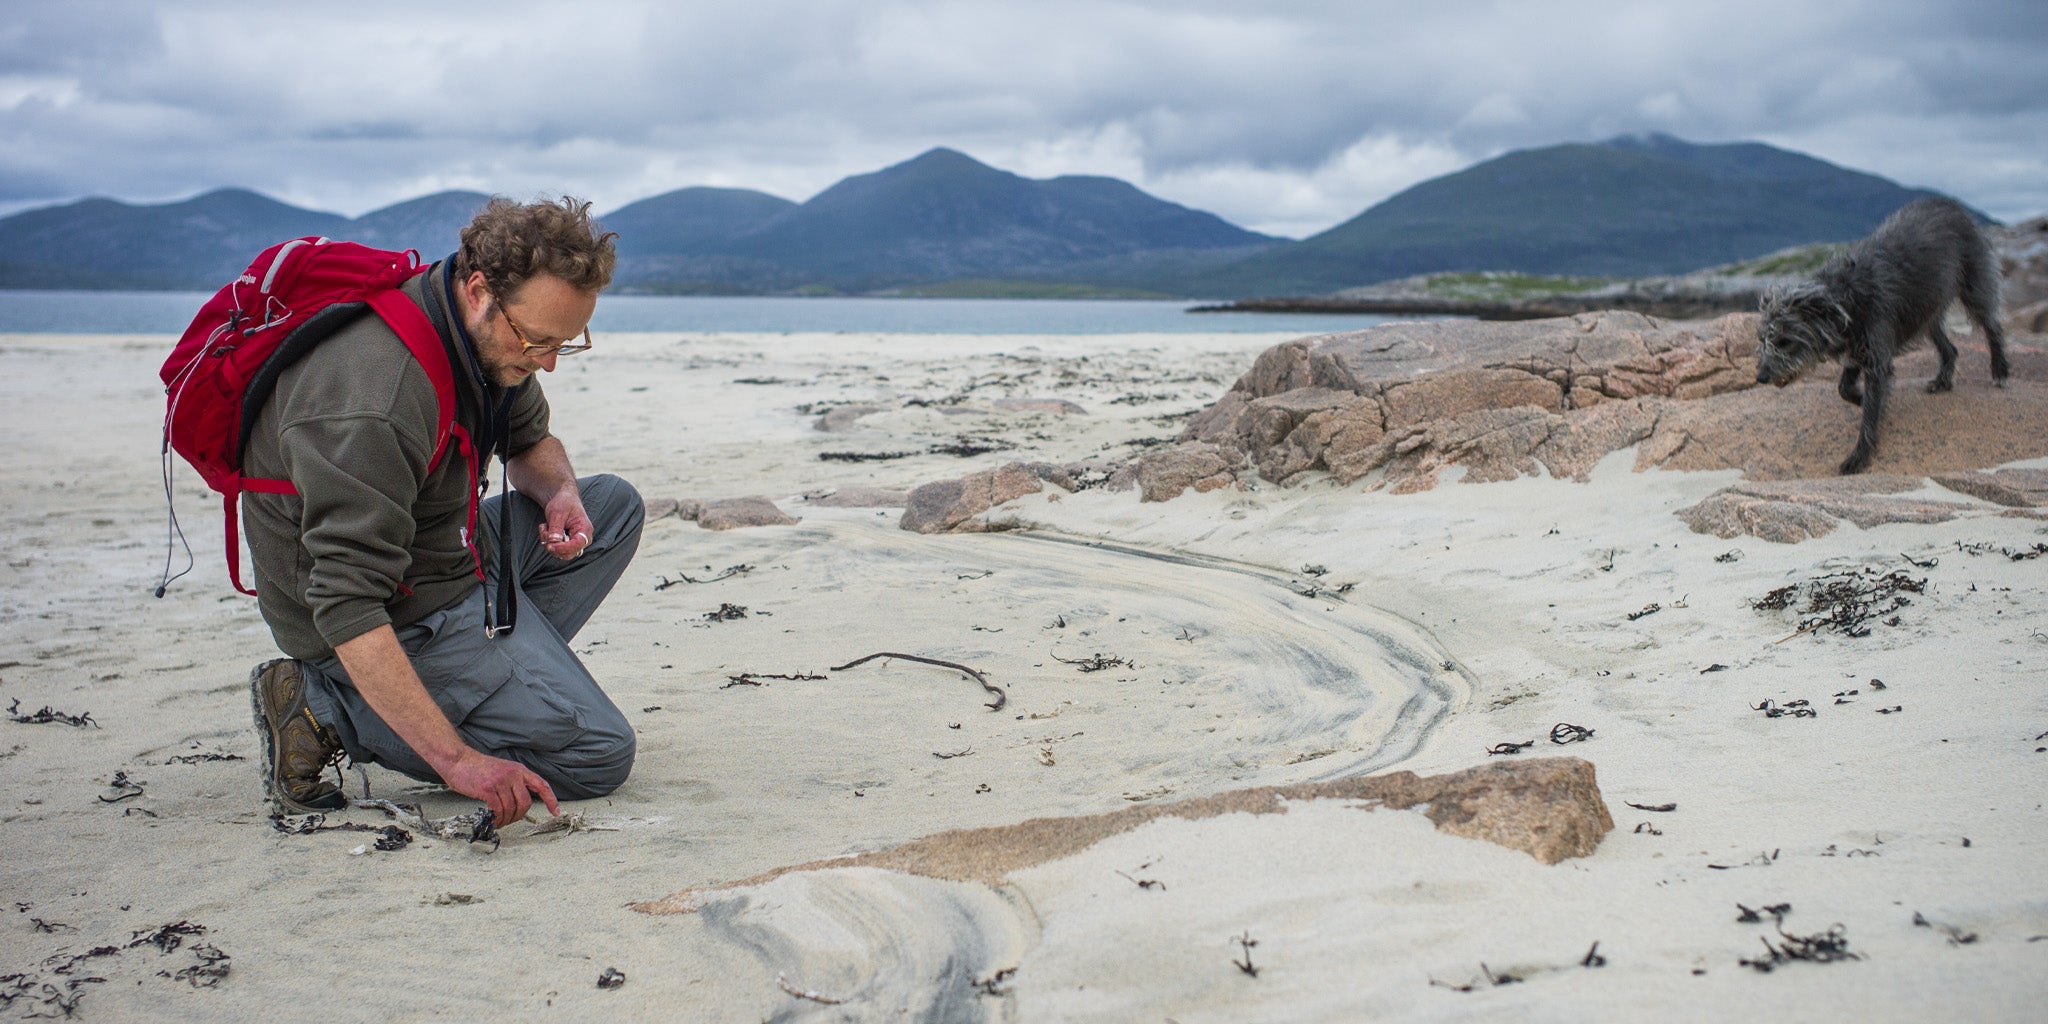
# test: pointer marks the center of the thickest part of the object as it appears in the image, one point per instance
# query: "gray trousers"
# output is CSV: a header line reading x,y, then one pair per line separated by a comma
x,y
524,696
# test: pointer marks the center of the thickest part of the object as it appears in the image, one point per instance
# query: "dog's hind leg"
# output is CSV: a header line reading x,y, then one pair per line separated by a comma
x,y
1846,387
1980,300
1877,384
1945,380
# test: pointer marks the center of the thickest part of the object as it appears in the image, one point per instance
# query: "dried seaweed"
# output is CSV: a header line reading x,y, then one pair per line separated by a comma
x,y
389,837
1826,947
1565,732
863,456
473,827
1843,602
48,715
730,571
2021,555
126,788
726,612
1956,936
211,969
1094,663
1245,942
1791,709
995,705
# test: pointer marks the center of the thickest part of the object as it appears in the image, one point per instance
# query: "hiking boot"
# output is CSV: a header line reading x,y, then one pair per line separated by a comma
x,y
296,749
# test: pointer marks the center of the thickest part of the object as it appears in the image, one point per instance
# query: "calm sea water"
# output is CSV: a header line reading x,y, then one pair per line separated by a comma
x,y
71,312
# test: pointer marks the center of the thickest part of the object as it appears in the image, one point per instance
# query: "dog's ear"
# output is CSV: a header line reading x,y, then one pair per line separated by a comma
x,y
1815,306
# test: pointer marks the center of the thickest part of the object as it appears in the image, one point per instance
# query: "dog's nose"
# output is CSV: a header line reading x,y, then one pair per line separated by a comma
x,y
1763,377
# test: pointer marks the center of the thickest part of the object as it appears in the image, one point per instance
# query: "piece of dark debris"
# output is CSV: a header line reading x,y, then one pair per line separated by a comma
x,y
1761,860
211,969
1593,957
611,978
1646,827
1245,942
994,705
1095,663
727,611
166,938
863,456
1791,709
969,447
1715,667
1648,610
1660,808
754,678
681,578
390,838
1565,732
1826,947
208,756
993,984
2020,555
1843,602
954,754
1750,915
124,788
48,715
1509,748
1956,936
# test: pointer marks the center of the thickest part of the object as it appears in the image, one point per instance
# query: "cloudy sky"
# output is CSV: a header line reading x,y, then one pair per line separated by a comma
x,y
1284,116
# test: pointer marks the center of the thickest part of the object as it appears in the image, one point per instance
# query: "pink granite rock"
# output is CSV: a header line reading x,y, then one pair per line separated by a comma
x,y
959,505
736,513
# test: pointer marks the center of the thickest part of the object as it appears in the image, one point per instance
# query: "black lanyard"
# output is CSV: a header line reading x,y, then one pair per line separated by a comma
x,y
496,425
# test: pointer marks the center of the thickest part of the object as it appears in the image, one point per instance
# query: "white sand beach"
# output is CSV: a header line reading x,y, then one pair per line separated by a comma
x,y
1149,653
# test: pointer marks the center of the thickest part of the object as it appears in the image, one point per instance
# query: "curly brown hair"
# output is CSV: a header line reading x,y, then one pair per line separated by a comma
x,y
512,242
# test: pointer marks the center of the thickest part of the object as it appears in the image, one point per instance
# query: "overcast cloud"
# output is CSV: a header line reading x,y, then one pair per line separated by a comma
x,y
1284,116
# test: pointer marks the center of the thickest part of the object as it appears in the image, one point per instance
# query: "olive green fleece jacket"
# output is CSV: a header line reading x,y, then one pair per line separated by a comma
x,y
374,536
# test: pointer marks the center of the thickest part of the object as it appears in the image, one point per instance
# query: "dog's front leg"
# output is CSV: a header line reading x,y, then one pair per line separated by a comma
x,y
1945,378
1846,387
1877,384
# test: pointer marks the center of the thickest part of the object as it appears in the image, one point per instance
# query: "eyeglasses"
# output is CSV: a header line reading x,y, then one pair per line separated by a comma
x,y
560,348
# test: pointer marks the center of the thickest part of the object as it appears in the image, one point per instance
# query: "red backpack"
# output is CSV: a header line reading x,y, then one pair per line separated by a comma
x,y
295,295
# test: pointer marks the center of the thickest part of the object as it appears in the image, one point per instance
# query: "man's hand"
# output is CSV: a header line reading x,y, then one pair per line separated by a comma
x,y
542,473
384,675
506,787
568,528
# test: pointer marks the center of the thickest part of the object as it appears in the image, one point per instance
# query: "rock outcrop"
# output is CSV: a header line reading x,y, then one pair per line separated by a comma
x,y
2023,261
960,505
1795,510
736,513
1502,400
1167,473
1549,808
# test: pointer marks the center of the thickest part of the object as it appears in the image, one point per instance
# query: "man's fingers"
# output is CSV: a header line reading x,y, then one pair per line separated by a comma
x,y
546,793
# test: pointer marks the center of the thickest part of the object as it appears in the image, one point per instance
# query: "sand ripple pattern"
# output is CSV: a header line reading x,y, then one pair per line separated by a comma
x,y
1232,676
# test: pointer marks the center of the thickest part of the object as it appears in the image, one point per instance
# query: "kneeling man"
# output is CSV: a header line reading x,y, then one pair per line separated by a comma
x,y
369,576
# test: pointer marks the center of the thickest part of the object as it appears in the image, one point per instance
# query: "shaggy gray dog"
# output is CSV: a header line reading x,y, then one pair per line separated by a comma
x,y
1868,304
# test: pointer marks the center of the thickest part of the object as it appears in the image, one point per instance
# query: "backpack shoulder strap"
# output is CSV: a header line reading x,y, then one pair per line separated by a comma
x,y
418,333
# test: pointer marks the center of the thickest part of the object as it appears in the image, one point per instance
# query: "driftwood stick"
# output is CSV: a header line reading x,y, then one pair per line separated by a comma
x,y
782,982
1001,697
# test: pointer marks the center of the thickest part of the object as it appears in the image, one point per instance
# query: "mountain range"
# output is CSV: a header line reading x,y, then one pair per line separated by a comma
x,y
944,222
